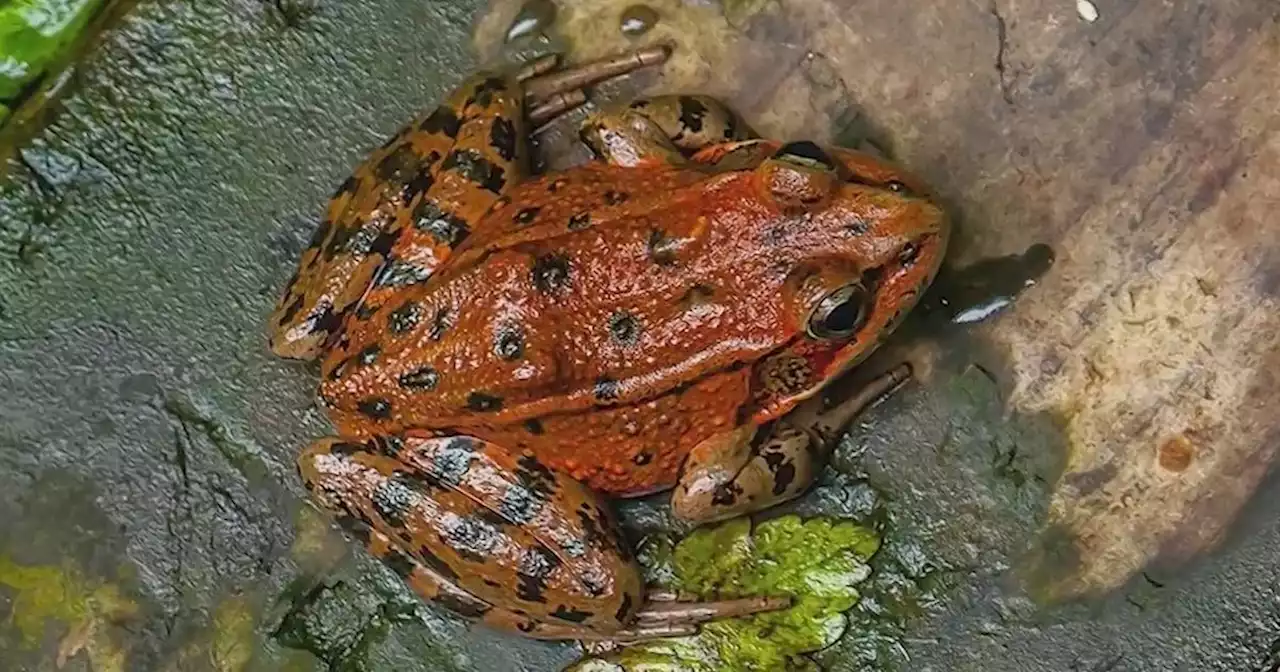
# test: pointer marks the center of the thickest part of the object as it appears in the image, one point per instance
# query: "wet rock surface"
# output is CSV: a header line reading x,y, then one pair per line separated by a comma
x,y
1077,484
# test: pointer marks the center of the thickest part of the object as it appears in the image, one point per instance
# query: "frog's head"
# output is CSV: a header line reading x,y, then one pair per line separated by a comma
x,y
866,239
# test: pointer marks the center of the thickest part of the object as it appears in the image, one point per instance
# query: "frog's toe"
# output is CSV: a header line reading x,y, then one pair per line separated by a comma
x,y
550,93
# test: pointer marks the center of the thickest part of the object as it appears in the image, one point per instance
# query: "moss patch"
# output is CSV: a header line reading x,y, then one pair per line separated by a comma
x,y
819,562
45,593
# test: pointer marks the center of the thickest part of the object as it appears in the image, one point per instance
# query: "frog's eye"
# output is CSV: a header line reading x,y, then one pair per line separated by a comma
x,y
899,188
840,313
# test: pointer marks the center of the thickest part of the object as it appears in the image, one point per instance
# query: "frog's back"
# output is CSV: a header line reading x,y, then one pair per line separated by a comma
x,y
599,297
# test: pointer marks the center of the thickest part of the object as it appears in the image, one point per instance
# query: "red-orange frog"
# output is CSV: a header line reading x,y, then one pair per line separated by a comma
x,y
500,350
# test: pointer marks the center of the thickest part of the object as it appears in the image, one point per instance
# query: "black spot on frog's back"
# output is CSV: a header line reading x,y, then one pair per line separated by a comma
x,y
526,216
403,319
375,408
551,273
624,328
484,402
421,379
508,343
607,389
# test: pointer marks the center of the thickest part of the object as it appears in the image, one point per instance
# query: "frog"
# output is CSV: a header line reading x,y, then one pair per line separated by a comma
x,y
502,352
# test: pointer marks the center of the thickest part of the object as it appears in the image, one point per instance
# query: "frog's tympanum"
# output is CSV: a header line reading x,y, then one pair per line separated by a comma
x,y
501,351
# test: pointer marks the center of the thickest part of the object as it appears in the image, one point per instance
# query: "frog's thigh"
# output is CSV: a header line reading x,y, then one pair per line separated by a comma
x,y
539,549
744,470
488,156
439,589
402,210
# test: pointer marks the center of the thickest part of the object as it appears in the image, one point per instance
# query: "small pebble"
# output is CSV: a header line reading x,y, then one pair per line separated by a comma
x,y
534,16
1087,10
637,20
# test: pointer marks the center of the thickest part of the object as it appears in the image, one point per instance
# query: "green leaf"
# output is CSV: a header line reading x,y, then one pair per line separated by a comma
x,y
818,562
34,34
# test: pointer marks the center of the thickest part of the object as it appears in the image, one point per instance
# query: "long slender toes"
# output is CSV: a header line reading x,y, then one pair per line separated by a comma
x,y
700,612
555,106
593,72
878,389
645,633
538,66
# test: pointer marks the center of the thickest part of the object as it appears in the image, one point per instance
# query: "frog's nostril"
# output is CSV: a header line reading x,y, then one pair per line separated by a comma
x,y
805,151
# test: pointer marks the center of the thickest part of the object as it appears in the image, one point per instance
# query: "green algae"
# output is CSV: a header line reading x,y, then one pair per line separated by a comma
x,y
47,594
818,562
34,35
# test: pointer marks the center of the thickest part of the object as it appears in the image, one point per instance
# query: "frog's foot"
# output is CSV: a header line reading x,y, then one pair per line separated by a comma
x,y
664,128
754,467
549,93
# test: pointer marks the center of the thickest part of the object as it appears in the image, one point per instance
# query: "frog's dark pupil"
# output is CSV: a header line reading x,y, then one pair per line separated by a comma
x,y
844,317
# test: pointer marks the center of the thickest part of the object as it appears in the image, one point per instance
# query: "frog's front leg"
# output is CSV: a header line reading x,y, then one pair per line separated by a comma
x,y
497,537
754,467
664,129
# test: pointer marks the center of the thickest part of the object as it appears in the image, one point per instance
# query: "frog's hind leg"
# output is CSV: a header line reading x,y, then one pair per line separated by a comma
x,y
402,211
757,466
502,528
420,195
496,537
